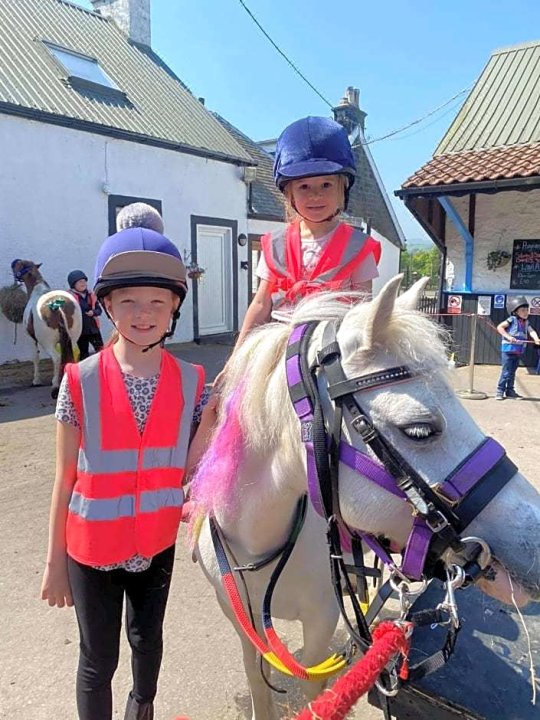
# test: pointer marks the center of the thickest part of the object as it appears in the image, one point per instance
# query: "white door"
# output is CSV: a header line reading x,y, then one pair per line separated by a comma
x,y
215,289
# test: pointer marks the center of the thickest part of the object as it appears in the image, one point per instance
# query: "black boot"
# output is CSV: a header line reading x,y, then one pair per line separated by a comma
x,y
138,711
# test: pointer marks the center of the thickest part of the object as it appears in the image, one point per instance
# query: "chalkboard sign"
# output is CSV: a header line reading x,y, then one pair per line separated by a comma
x,y
525,265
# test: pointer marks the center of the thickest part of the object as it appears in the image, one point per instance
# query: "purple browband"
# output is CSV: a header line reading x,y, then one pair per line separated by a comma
x,y
453,488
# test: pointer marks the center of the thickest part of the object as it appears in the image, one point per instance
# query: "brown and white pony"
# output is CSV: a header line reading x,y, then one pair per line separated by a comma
x,y
52,318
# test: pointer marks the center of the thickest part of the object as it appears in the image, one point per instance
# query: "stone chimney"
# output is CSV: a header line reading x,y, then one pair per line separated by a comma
x,y
348,112
131,16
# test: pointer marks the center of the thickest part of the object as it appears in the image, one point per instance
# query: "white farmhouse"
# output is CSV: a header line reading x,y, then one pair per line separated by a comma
x,y
91,119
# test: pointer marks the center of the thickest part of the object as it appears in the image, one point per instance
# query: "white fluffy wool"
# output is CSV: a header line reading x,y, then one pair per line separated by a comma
x,y
139,215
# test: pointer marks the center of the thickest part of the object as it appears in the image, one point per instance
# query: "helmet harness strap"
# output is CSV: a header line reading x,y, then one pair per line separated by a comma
x,y
146,348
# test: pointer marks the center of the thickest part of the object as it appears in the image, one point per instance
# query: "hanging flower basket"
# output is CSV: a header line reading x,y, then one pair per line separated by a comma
x,y
497,259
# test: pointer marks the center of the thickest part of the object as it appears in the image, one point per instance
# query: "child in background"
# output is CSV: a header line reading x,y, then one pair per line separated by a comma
x,y
315,169
90,309
514,331
125,419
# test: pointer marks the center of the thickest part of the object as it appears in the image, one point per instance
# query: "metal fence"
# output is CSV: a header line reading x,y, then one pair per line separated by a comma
x,y
487,341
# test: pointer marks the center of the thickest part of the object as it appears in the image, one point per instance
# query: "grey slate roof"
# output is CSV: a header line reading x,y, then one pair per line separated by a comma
x,y
368,198
157,107
266,199
503,108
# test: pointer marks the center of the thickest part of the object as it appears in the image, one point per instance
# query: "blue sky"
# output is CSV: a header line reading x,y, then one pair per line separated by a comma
x,y
407,57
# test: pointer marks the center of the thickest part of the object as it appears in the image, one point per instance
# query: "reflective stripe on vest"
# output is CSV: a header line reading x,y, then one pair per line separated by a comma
x,y
358,246
124,506
128,495
93,459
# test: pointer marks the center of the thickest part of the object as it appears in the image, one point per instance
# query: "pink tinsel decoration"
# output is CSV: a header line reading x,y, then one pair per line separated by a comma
x,y
213,483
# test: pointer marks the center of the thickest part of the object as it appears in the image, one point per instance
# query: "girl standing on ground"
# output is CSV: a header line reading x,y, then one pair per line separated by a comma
x,y
315,170
514,332
125,418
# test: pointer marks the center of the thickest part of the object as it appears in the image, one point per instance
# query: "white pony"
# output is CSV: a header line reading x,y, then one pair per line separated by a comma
x,y
253,489
52,318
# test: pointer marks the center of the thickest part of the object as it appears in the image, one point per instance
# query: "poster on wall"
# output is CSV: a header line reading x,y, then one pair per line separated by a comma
x,y
454,304
534,305
525,274
484,305
499,302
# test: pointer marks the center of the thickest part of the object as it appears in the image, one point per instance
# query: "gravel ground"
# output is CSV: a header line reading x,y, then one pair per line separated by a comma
x,y
202,673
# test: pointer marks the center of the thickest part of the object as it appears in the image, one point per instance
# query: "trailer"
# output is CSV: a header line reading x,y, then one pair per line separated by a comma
x,y
488,677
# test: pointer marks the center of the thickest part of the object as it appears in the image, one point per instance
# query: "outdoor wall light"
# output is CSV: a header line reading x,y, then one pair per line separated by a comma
x,y
242,240
250,174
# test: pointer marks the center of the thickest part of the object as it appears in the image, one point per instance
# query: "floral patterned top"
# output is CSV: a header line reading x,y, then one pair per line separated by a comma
x,y
141,392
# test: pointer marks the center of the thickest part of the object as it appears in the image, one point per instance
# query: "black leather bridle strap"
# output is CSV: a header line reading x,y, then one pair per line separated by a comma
x,y
437,513
327,464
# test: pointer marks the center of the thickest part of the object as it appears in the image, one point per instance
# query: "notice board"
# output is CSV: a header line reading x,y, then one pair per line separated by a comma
x,y
525,274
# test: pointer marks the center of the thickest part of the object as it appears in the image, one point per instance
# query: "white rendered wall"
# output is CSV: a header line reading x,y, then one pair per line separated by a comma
x,y
261,227
53,208
388,264
500,219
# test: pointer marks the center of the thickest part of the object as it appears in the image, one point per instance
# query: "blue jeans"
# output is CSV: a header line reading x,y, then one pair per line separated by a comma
x,y
510,363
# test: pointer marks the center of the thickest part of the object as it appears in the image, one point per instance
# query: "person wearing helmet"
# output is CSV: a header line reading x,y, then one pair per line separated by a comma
x,y
514,331
315,169
90,309
125,418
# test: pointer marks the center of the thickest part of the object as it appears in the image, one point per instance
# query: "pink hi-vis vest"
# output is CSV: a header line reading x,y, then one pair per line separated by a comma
x,y
128,495
346,250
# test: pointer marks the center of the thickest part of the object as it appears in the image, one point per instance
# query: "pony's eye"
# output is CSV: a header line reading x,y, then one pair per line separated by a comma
x,y
420,431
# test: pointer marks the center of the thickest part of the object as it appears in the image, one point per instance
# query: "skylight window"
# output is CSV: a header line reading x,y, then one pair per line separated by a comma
x,y
81,67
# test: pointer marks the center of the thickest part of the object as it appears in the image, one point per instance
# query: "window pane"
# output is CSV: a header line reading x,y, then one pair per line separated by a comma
x,y
82,67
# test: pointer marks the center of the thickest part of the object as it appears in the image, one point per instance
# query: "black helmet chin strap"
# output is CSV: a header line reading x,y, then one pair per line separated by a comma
x,y
168,334
146,348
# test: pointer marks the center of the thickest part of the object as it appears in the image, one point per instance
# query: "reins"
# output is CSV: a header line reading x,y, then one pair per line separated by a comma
x,y
441,513
271,648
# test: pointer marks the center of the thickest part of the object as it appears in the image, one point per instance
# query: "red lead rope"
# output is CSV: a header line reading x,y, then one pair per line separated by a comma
x,y
334,703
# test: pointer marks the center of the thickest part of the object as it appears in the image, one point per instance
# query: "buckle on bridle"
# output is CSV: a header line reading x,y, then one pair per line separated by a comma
x,y
438,523
438,489
364,428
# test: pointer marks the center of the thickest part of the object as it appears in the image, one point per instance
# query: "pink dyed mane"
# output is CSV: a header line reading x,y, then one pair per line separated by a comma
x,y
213,483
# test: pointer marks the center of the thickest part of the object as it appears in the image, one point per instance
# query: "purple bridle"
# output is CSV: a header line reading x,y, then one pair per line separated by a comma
x,y
441,514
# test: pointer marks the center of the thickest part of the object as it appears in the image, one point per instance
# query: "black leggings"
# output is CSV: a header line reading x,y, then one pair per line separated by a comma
x,y
84,342
98,597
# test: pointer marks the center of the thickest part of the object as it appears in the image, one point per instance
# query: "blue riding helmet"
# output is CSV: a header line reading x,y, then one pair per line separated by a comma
x,y
313,146
139,257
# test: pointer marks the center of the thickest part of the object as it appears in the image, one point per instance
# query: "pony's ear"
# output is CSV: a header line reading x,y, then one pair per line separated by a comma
x,y
379,312
411,297
39,265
